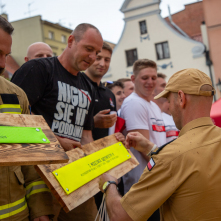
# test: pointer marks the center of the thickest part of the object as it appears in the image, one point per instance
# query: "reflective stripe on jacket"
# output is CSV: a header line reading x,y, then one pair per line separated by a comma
x,y
23,195
12,208
10,108
10,103
20,205
36,187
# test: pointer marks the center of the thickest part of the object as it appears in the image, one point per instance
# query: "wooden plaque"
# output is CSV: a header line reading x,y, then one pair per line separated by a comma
x,y
79,196
30,154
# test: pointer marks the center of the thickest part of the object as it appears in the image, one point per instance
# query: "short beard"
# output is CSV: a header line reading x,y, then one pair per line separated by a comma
x,y
2,70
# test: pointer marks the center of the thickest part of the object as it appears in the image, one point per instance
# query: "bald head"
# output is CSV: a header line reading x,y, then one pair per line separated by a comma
x,y
79,31
38,50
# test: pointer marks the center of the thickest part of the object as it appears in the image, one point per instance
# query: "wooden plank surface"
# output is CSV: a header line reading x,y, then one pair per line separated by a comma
x,y
76,198
30,154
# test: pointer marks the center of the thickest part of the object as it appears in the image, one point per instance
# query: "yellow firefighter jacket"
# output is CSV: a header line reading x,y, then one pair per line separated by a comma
x,y
23,195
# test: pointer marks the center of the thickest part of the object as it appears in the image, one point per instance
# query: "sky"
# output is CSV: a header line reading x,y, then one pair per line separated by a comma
x,y
104,14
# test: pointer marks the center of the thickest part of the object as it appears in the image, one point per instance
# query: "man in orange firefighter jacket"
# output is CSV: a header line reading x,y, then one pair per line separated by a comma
x,y
23,195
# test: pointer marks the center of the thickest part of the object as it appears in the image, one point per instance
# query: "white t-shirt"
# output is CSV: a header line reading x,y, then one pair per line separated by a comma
x,y
141,114
171,131
118,112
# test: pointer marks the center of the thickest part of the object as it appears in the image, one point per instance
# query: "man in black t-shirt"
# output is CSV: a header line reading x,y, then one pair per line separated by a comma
x,y
58,90
65,97
104,99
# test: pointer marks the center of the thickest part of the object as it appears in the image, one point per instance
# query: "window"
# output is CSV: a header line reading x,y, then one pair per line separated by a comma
x,y
51,35
162,50
131,56
63,39
143,27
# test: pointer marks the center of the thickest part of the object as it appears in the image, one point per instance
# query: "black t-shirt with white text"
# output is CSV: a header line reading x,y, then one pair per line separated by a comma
x,y
65,101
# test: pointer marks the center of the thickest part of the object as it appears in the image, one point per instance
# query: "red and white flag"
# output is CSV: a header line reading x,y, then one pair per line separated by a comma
x,y
150,164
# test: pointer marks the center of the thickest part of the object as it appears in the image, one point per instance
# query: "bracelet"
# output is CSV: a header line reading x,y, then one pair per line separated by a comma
x,y
107,184
153,148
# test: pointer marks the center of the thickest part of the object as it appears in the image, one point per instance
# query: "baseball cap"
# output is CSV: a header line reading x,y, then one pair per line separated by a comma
x,y
189,81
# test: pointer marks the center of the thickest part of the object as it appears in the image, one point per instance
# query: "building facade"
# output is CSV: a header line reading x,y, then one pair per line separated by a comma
x,y
34,29
147,35
213,28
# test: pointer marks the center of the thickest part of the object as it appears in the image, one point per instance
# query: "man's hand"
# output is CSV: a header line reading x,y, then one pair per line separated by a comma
x,y
121,138
104,120
104,178
86,137
138,142
42,218
68,144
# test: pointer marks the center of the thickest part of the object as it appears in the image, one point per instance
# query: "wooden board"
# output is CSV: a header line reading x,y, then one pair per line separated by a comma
x,y
76,198
30,154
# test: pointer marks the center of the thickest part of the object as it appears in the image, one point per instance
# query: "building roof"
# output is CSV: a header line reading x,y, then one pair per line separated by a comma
x,y
57,26
190,20
124,8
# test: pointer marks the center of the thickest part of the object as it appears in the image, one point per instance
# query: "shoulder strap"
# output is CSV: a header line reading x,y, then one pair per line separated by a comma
x,y
10,104
157,150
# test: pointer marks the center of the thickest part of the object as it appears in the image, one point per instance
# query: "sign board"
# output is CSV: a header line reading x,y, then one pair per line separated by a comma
x,y
83,193
12,154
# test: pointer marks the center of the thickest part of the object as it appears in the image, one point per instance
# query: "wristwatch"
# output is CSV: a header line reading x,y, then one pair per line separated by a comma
x,y
107,184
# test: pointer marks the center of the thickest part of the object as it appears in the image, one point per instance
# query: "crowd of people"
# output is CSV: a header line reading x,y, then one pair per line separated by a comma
x,y
67,91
